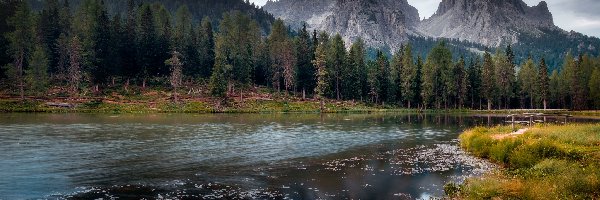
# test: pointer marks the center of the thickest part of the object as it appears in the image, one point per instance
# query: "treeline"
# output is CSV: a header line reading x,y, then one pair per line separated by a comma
x,y
90,50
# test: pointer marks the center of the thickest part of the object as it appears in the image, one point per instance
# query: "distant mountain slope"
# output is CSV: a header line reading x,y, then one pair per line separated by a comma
x,y
199,8
379,22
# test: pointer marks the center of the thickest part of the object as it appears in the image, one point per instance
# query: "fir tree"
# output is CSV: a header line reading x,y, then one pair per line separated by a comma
x,y
543,83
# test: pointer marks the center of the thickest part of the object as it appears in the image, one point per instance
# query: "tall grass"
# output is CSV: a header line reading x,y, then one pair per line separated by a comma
x,y
547,162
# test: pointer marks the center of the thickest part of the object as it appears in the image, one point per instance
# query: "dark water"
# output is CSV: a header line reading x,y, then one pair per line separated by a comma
x,y
281,156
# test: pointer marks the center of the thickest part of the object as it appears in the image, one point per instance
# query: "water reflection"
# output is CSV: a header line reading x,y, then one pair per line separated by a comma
x,y
239,155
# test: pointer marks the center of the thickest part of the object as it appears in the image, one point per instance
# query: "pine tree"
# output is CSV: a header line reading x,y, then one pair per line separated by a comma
x,y
418,82
528,78
336,57
306,71
438,83
408,75
20,44
543,83
475,83
462,81
50,29
594,87
504,71
488,87
321,74
397,66
555,93
176,72
358,71
207,47
37,74
75,71
147,49
282,56
220,76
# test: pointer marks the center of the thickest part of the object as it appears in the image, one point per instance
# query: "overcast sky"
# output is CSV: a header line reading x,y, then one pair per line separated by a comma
x,y
581,15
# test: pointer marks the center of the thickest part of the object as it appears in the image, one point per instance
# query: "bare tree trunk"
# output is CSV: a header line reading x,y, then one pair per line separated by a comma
x,y
322,105
303,94
337,87
489,104
545,104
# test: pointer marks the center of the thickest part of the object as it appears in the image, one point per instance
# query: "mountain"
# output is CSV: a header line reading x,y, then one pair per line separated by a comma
x,y
380,23
489,22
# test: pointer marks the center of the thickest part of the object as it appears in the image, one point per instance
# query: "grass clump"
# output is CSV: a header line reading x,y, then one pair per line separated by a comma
x,y
547,162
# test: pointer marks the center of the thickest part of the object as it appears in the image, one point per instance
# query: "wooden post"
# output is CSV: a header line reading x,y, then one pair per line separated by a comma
x,y
513,122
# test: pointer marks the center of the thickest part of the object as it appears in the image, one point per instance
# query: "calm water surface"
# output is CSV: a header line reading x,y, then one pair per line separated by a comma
x,y
264,156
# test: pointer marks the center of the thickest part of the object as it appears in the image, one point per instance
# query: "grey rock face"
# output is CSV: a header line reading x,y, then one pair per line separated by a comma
x,y
489,22
378,22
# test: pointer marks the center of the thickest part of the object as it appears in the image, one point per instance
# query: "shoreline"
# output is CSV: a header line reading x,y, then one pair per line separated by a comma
x,y
250,105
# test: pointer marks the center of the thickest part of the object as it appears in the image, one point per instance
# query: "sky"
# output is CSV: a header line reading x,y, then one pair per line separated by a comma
x,y
581,15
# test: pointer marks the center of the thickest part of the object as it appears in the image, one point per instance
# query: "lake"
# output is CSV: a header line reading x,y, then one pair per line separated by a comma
x,y
212,156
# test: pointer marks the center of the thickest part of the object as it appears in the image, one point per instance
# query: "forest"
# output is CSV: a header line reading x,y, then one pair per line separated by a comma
x,y
90,52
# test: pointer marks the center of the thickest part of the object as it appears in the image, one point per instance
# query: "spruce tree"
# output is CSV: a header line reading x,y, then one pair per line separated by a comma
x,y
488,86
321,74
408,76
543,83
336,58
20,45
37,73
306,71
207,47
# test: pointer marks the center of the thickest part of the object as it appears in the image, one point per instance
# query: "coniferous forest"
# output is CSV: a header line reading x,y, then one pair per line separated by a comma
x,y
89,51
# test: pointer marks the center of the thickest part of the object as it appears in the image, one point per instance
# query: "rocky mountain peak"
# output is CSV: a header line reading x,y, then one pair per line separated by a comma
x,y
378,22
490,22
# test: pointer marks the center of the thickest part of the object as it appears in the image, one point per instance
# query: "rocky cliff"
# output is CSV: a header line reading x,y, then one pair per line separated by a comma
x,y
380,23
489,22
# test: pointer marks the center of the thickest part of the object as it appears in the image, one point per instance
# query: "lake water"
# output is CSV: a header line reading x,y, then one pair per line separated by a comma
x,y
212,156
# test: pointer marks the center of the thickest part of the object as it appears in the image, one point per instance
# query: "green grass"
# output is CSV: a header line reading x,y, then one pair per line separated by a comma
x,y
547,162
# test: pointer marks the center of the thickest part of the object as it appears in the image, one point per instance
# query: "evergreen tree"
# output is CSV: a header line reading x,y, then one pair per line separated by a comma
x,y
20,44
306,71
543,83
505,72
207,47
488,86
75,71
438,83
37,74
336,57
408,76
475,83
129,51
282,56
176,72
555,93
462,80
528,78
50,30
594,87
418,82
321,74
357,77
147,56
396,66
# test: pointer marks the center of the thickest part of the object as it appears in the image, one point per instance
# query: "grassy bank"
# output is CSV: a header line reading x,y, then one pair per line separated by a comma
x,y
192,106
547,162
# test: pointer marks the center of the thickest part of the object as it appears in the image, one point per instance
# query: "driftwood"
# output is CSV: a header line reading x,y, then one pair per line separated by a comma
x,y
60,105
